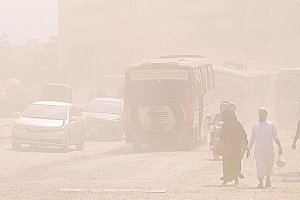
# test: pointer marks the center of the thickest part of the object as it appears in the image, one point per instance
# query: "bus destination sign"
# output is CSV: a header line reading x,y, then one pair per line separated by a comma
x,y
159,74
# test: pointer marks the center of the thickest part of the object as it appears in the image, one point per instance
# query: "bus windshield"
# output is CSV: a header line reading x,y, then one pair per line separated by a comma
x,y
159,91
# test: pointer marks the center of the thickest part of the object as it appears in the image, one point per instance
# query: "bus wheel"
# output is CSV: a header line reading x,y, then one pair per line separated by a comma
x,y
136,147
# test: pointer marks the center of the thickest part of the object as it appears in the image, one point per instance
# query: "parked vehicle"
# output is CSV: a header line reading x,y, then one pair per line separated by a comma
x,y
57,92
18,96
49,123
248,87
104,117
287,97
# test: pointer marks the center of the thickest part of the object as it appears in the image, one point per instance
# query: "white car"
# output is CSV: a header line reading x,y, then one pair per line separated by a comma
x,y
50,123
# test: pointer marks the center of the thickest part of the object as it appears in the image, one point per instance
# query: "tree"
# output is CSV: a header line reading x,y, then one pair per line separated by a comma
x,y
2,35
3,52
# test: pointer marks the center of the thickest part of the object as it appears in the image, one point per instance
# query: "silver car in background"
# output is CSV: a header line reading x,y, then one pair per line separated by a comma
x,y
50,123
104,117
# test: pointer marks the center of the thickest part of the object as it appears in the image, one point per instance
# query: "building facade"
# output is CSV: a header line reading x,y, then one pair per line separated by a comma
x,y
102,37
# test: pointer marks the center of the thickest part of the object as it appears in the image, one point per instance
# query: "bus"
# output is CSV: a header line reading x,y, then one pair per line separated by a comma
x,y
287,97
247,87
167,100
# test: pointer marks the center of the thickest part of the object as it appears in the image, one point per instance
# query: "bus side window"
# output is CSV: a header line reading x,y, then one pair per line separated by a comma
x,y
209,77
206,73
203,79
212,79
202,73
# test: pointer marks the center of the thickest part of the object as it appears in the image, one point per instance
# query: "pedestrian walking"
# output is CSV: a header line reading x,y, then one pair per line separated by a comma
x,y
296,136
232,133
264,132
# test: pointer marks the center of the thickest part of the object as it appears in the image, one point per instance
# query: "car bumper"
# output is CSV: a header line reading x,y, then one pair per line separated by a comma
x,y
104,129
43,139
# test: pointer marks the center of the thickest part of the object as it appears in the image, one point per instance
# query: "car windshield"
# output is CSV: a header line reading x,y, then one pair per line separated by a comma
x,y
46,112
103,107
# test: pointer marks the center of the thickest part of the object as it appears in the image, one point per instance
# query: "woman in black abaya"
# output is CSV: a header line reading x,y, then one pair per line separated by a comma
x,y
232,133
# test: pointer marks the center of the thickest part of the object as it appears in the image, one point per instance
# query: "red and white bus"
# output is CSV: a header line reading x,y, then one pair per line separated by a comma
x,y
167,101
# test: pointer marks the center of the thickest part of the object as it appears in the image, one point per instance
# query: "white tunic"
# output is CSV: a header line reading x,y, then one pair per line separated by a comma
x,y
263,135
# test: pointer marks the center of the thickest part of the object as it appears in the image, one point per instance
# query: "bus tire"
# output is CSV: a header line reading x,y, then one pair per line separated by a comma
x,y
136,147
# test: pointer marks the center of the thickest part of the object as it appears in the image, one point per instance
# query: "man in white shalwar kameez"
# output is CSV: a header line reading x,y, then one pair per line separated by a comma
x,y
264,132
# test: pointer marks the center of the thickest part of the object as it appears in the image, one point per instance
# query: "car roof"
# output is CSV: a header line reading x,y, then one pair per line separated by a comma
x,y
113,100
52,103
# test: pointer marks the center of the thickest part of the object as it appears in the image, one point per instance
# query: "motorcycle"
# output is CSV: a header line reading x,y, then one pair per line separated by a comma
x,y
215,137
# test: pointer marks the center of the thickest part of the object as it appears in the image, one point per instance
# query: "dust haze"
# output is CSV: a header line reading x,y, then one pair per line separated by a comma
x,y
132,99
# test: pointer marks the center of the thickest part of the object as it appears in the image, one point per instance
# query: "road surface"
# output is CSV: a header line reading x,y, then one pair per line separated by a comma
x,y
109,170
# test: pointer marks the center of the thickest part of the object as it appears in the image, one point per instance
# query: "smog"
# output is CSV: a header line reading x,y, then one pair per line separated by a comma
x,y
149,100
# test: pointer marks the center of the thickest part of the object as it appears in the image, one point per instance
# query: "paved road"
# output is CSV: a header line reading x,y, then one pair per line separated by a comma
x,y
109,170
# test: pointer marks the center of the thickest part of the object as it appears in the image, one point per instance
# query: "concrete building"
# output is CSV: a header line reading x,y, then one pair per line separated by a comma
x,y
101,37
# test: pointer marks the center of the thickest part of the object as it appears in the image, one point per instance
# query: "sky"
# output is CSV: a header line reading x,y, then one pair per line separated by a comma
x,y
28,19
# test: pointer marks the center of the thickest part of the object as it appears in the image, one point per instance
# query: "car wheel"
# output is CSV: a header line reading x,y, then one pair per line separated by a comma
x,y
16,146
66,148
80,145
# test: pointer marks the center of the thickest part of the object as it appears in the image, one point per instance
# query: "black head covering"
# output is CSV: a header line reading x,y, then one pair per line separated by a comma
x,y
229,116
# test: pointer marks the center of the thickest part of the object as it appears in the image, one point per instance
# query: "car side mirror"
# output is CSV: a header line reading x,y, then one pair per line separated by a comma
x,y
17,114
74,118
208,117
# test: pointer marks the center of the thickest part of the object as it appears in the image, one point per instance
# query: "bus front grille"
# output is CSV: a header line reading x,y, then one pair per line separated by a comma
x,y
158,120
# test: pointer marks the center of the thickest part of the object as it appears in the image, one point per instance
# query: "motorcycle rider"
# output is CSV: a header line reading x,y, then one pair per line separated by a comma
x,y
217,124
223,106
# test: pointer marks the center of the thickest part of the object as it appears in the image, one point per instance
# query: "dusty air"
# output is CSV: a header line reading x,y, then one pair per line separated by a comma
x,y
157,99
